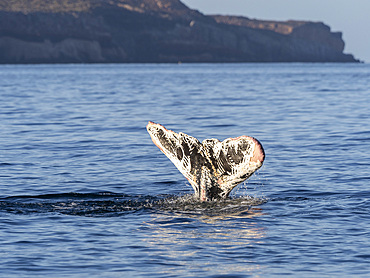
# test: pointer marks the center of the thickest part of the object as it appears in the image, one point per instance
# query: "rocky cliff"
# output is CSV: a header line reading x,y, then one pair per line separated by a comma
x,y
102,31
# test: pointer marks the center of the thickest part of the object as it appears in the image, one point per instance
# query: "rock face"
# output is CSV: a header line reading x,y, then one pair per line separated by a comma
x,y
128,31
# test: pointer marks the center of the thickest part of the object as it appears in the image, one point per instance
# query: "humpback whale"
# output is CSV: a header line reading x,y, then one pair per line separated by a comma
x,y
213,168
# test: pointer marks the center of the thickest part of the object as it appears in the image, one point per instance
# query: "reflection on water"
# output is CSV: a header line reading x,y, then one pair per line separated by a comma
x,y
180,234
197,242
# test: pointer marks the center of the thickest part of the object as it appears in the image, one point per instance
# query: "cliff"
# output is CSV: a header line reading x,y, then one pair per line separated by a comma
x,y
103,31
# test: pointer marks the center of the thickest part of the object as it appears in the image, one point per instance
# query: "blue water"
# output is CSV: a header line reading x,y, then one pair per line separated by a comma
x,y
85,193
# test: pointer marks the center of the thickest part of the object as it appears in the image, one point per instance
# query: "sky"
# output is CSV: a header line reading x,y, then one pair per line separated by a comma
x,y
351,17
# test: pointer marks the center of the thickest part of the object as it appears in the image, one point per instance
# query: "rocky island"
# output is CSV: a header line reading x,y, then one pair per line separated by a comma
x,y
154,31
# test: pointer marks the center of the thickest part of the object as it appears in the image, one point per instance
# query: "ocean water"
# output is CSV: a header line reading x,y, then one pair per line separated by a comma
x,y
85,193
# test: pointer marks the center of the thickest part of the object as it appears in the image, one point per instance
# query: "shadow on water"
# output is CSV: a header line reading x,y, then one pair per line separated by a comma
x,y
108,204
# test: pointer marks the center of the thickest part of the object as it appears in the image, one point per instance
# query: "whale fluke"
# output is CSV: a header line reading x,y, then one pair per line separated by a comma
x,y
213,168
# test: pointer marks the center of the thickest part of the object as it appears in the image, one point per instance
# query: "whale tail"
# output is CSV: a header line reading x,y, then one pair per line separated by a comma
x,y
213,168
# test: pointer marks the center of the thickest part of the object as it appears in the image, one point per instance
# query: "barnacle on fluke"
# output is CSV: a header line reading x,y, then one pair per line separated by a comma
x,y
213,168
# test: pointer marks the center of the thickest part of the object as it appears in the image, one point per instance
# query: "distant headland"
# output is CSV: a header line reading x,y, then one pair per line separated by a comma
x,y
154,31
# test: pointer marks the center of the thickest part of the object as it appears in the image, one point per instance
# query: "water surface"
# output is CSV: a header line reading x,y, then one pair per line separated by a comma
x,y
84,191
